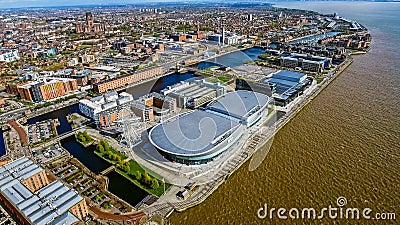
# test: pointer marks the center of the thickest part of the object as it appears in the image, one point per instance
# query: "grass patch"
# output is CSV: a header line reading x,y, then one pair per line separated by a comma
x,y
55,66
105,205
224,79
77,175
26,103
205,74
319,79
135,167
263,56
213,80
85,46
273,24
66,52
113,52
41,142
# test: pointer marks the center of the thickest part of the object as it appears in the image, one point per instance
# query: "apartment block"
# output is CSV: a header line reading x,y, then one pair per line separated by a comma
x,y
107,109
124,80
44,89
306,62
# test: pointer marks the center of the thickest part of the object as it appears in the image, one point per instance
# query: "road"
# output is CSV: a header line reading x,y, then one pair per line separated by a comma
x,y
132,217
23,136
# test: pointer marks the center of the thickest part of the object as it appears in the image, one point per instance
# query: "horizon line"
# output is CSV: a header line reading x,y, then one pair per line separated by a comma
x,y
153,2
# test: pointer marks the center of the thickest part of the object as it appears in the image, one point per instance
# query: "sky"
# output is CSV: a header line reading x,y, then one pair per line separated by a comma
x,y
40,3
43,3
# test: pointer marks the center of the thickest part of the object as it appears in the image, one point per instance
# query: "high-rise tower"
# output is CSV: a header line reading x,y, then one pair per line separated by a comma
x,y
222,34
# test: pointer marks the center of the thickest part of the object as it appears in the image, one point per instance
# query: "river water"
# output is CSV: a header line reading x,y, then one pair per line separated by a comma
x,y
233,59
344,143
61,115
2,144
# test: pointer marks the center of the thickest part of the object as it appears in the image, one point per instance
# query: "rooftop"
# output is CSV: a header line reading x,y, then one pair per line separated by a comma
x,y
239,103
127,75
289,75
306,57
110,99
50,205
190,134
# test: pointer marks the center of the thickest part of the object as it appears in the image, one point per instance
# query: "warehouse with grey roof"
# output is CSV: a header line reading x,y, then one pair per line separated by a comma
x,y
52,204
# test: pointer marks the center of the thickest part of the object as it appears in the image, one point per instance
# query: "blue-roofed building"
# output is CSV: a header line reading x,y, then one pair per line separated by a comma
x,y
290,76
52,204
287,85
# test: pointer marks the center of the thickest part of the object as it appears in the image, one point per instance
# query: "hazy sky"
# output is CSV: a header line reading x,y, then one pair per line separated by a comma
x,y
34,3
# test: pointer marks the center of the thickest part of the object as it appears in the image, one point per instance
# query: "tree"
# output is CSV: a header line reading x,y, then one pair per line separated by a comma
x,y
154,183
108,154
83,139
146,179
80,136
126,169
105,145
100,148
138,175
113,156
105,205
87,136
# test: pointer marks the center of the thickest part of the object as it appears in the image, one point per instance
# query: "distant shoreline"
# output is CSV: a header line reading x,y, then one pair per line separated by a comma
x,y
172,3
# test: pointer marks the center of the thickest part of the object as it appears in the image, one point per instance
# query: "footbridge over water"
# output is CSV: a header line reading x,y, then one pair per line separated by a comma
x,y
108,170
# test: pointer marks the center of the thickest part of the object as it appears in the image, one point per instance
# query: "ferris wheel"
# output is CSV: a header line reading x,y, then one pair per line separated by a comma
x,y
132,128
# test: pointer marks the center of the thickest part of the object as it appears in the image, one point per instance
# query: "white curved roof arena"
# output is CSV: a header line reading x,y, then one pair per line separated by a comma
x,y
199,132
190,134
238,104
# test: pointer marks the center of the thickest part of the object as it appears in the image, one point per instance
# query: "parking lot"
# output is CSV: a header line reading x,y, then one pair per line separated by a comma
x,y
50,153
41,131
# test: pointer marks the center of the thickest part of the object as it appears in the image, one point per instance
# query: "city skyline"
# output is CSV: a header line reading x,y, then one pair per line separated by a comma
x,y
6,4
12,4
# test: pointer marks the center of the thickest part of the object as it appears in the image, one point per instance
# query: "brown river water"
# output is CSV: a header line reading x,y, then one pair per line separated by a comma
x,y
346,142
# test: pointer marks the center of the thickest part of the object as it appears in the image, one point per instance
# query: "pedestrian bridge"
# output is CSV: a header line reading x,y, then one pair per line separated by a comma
x,y
108,170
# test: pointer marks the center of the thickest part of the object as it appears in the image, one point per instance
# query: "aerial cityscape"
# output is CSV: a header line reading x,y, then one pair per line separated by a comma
x,y
199,112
